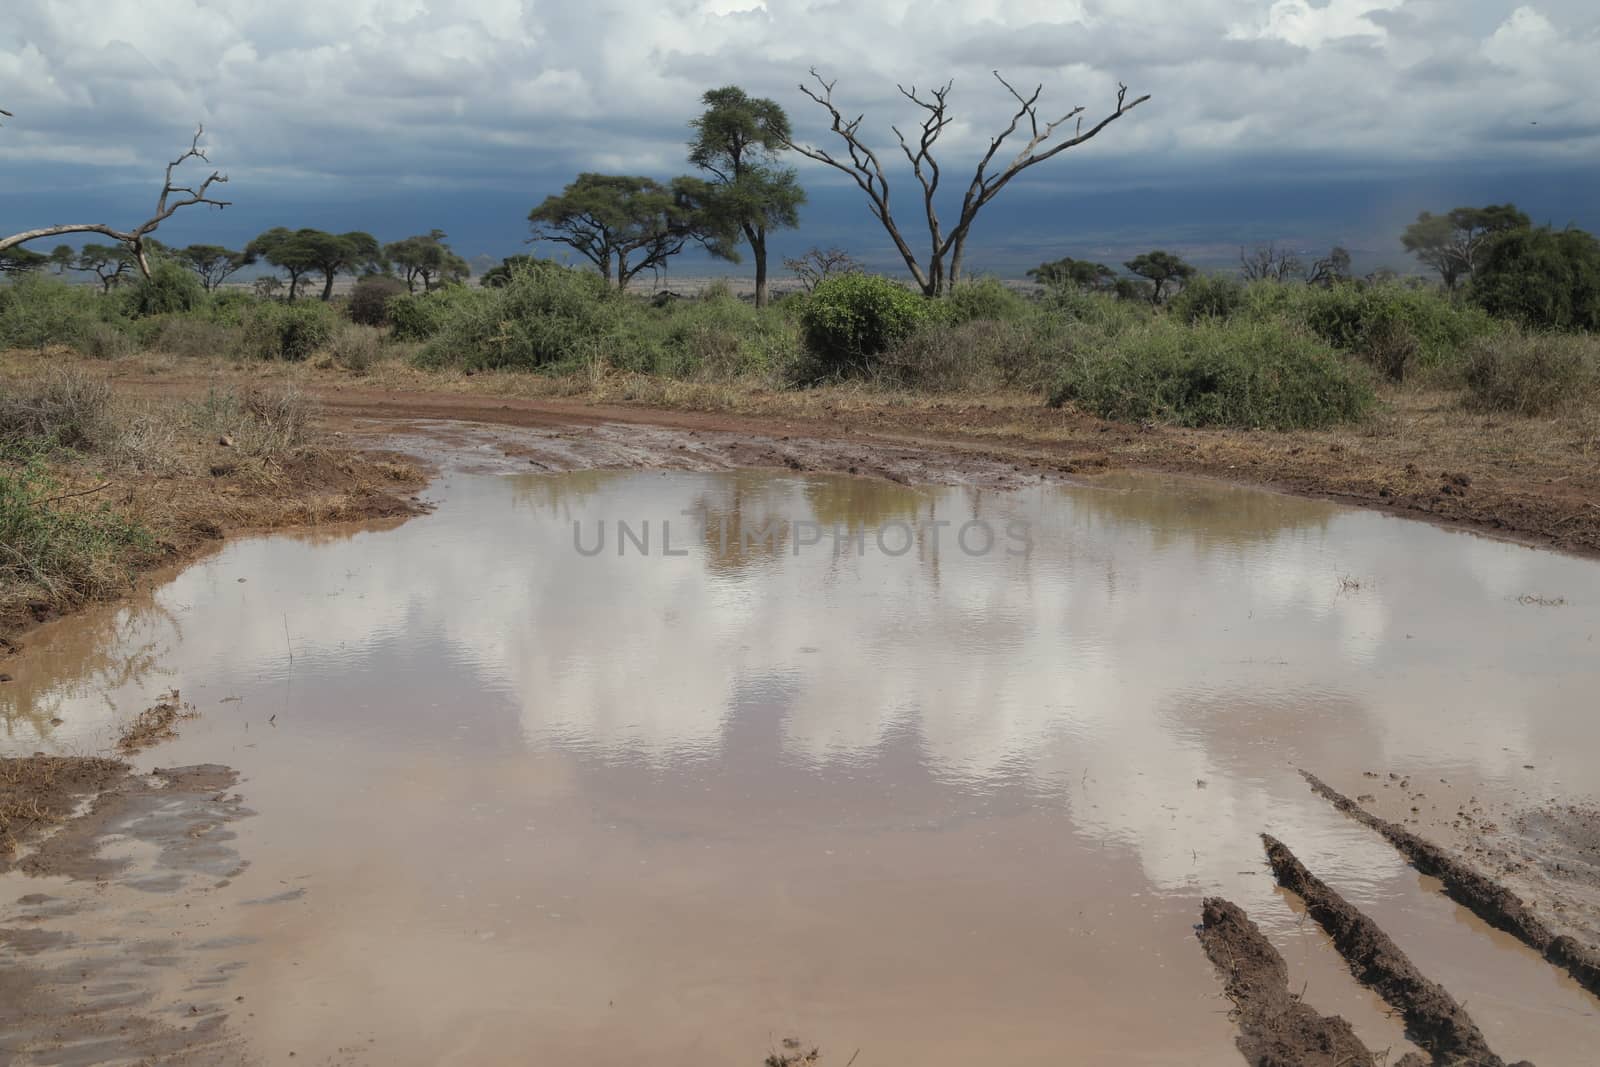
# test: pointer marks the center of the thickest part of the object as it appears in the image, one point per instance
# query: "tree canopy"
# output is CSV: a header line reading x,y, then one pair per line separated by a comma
x,y
1450,243
737,141
1075,273
307,251
426,258
1546,278
1160,268
625,224
213,264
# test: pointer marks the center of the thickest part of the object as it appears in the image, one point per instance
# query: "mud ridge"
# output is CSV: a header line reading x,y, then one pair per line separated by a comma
x,y
1275,1026
1484,897
1433,1018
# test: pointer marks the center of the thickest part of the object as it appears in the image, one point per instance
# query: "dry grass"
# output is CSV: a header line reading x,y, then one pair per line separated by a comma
x,y
147,480
155,724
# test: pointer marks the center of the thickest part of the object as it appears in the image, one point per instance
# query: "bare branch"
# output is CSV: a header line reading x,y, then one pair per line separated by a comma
x,y
166,207
865,169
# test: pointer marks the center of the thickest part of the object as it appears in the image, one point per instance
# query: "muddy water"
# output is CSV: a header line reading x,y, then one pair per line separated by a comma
x,y
515,803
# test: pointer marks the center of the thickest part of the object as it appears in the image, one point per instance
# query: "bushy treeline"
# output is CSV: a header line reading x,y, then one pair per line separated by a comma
x,y
1220,352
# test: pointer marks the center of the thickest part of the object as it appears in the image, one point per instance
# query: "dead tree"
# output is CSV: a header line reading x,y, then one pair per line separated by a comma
x,y
172,198
867,171
1266,263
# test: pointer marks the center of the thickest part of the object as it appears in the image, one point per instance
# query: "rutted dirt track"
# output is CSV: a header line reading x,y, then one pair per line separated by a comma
x,y
1489,486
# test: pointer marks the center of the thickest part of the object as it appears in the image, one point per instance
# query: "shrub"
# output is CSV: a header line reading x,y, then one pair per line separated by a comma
x,y
369,300
717,338
190,336
288,331
981,353
1360,317
36,311
261,422
850,319
539,319
355,347
1208,296
1532,373
102,340
418,318
64,408
986,298
1390,345
1244,374
1543,278
169,290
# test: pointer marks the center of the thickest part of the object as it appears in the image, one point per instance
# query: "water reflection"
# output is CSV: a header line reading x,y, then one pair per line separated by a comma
x,y
1123,707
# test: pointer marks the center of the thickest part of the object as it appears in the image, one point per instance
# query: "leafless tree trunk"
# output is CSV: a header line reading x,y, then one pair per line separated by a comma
x,y
166,207
867,171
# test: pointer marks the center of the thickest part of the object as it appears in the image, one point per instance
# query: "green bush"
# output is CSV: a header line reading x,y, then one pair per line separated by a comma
x,y
1208,296
1532,373
975,355
170,290
714,338
547,318
986,298
850,319
190,336
1543,278
288,331
420,317
1242,373
369,300
1353,316
36,311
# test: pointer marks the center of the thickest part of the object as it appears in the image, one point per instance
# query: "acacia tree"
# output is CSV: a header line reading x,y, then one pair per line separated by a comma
x,y
284,249
1160,268
868,173
610,219
1450,243
1077,273
426,258
106,262
18,261
169,202
213,264
819,264
737,140
306,251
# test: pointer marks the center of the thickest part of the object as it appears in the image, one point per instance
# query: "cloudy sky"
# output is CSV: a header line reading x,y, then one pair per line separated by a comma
x,y
1282,119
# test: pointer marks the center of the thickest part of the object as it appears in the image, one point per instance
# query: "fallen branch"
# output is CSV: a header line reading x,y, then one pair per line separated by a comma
x,y
69,496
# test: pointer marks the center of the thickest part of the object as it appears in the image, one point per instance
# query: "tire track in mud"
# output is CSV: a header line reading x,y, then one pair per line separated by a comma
x,y
1434,1020
1484,897
1275,1026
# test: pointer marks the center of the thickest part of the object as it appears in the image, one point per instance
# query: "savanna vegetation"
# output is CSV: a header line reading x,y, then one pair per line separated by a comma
x,y
1280,344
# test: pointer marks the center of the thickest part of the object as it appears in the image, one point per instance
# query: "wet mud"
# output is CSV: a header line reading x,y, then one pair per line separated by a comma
x,y
90,975
1433,1017
1276,1027
1488,899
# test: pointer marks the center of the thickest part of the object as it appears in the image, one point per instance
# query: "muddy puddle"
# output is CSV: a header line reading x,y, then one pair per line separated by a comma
x,y
913,793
